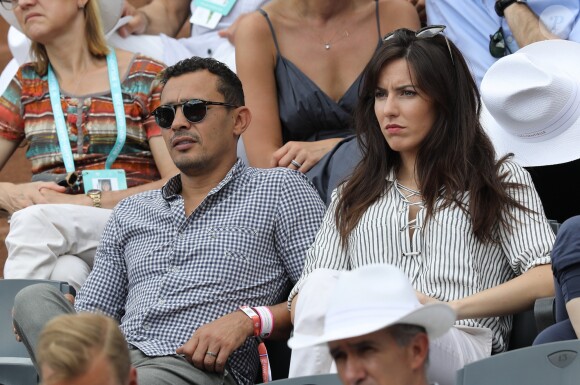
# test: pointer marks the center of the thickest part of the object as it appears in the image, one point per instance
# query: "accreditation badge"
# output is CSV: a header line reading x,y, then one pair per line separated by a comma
x,y
104,180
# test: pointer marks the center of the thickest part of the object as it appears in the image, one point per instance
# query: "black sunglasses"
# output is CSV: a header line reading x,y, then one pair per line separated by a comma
x,y
497,46
194,111
424,33
73,181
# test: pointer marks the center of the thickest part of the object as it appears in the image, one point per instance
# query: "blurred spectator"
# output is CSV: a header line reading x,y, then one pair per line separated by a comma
x,y
378,333
301,63
96,115
211,35
532,109
86,349
489,29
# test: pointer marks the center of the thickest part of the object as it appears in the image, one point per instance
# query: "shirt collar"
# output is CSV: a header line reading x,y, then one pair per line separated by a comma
x,y
173,186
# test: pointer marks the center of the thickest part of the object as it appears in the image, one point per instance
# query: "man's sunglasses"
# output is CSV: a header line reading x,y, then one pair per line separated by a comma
x,y
424,33
497,45
194,111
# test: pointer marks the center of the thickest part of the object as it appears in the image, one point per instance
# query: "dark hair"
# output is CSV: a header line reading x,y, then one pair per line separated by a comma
x,y
229,85
455,157
403,334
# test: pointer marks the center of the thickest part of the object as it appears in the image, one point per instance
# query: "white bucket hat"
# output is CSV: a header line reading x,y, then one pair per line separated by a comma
x,y
110,14
531,103
371,298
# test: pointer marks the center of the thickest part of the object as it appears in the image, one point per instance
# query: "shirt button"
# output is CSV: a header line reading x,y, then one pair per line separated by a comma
x,y
509,39
161,302
146,326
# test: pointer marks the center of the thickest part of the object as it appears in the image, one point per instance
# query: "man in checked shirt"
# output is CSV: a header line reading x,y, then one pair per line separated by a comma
x,y
175,265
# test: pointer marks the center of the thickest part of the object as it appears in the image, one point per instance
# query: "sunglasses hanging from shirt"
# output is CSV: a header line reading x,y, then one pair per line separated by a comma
x,y
107,179
498,47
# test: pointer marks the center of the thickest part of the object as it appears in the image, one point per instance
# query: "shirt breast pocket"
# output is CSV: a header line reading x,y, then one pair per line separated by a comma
x,y
235,242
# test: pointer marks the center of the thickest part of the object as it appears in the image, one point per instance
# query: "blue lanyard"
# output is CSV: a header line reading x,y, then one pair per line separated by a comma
x,y
61,128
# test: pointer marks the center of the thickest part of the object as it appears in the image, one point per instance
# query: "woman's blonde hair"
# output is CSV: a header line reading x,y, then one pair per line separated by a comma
x,y
94,36
69,344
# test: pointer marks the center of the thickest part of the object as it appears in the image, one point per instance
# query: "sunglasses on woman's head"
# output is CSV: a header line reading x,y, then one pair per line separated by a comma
x,y
194,111
425,33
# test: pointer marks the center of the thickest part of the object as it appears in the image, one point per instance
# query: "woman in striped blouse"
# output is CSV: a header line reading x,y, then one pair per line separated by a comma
x,y
430,198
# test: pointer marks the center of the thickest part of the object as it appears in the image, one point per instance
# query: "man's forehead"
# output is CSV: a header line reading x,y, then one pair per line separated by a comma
x,y
194,85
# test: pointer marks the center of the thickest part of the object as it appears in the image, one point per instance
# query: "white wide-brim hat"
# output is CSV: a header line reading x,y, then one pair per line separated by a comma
x,y
531,103
110,14
373,297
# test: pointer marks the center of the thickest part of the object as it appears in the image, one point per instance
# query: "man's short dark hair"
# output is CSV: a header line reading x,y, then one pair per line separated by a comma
x,y
403,334
229,85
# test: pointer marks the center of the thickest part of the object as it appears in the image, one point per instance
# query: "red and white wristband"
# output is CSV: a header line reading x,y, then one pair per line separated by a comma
x,y
262,319
263,323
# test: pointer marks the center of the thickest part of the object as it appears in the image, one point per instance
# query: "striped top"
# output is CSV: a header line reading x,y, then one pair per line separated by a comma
x,y
26,112
444,259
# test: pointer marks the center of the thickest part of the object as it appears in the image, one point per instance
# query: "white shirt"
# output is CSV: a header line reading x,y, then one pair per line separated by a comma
x,y
471,22
444,259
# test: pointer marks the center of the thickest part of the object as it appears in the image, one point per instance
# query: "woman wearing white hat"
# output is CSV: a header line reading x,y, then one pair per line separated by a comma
x,y
430,198
81,106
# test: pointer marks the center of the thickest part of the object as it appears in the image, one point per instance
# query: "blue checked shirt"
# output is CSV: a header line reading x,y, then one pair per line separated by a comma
x,y
163,274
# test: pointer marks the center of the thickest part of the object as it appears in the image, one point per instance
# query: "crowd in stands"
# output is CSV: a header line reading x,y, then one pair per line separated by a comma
x,y
373,177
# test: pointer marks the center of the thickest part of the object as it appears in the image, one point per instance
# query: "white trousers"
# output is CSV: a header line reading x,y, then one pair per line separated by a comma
x,y
447,354
54,242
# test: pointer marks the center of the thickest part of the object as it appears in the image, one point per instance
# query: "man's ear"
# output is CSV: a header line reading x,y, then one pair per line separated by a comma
x,y
133,376
242,117
419,349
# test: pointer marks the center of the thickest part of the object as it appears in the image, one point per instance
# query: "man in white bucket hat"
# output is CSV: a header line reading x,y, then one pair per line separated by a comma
x,y
376,329
532,109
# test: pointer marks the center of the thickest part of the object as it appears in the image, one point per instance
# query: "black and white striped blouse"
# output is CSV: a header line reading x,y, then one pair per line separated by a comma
x,y
443,259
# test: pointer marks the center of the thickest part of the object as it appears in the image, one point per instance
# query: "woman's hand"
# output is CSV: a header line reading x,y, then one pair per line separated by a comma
x,y
56,197
304,154
18,196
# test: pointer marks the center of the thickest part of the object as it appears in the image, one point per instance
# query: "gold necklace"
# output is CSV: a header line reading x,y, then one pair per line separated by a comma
x,y
338,35
328,43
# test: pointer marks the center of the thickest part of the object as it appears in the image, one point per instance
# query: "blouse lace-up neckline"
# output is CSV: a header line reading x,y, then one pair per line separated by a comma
x,y
407,194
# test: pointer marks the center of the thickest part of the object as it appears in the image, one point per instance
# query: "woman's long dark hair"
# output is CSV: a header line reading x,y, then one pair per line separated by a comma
x,y
455,157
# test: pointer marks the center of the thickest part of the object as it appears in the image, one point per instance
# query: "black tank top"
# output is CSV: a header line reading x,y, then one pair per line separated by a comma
x,y
306,112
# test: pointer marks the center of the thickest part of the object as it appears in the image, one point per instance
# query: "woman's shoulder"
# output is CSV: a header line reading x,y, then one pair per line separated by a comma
x,y
28,71
395,14
141,62
254,25
513,171
30,82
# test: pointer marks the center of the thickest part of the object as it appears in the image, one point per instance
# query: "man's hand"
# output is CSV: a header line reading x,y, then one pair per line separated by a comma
x,y
230,32
220,337
137,25
420,5
16,335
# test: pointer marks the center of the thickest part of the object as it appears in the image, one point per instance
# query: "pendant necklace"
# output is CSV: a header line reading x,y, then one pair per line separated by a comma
x,y
339,34
328,43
